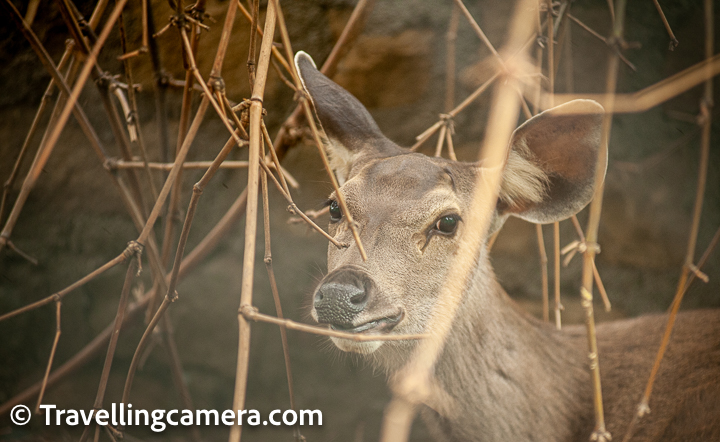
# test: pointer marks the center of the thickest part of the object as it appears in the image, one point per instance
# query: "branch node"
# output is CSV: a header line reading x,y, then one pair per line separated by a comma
x,y
706,106
111,164
248,311
32,260
449,123
700,274
135,248
600,435
643,408
300,95
578,246
217,84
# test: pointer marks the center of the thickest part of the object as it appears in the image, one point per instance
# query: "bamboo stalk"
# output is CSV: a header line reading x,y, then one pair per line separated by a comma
x,y
600,433
256,137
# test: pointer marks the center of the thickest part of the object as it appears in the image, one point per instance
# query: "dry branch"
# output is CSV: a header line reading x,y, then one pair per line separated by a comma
x,y
643,99
251,313
600,433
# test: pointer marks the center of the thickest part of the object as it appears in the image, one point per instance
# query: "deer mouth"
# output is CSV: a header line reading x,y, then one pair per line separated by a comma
x,y
381,325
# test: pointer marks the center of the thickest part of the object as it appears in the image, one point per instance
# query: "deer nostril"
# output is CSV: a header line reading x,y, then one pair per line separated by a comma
x,y
359,298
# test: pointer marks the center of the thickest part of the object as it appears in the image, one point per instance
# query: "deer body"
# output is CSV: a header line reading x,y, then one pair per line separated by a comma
x,y
502,375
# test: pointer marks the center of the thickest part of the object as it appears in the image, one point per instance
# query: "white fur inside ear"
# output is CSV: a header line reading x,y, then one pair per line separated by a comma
x,y
341,159
523,180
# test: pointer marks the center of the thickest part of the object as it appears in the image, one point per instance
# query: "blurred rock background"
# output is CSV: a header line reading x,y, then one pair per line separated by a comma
x,y
74,220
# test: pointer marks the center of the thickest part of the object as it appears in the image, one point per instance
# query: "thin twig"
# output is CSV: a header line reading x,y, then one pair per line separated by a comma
x,y
58,330
160,83
450,45
601,38
479,31
58,296
253,38
277,56
544,272
453,113
143,343
251,313
673,41
188,165
133,118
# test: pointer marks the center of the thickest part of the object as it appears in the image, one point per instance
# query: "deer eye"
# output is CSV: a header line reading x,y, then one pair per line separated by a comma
x,y
447,225
335,212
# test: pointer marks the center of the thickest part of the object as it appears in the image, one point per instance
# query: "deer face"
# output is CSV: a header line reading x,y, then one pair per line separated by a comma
x,y
409,208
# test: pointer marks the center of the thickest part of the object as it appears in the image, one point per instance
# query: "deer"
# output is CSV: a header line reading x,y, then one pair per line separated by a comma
x,y
502,374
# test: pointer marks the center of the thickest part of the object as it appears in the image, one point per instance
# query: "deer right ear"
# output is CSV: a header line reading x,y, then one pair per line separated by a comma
x,y
551,168
350,130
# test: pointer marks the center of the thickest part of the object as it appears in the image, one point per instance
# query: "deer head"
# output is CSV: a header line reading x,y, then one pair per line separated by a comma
x,y
409,207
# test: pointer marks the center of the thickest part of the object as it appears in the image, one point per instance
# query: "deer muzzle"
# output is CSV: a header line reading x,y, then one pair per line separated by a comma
x,y
346,300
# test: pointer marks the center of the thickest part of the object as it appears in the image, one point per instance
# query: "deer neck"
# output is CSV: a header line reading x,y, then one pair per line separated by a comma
x,y
506,376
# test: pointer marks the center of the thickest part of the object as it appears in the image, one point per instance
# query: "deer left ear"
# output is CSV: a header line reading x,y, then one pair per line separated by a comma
x,y
551,168
350,129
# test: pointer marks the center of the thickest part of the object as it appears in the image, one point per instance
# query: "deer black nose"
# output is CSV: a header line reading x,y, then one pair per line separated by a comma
x,y
338,303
